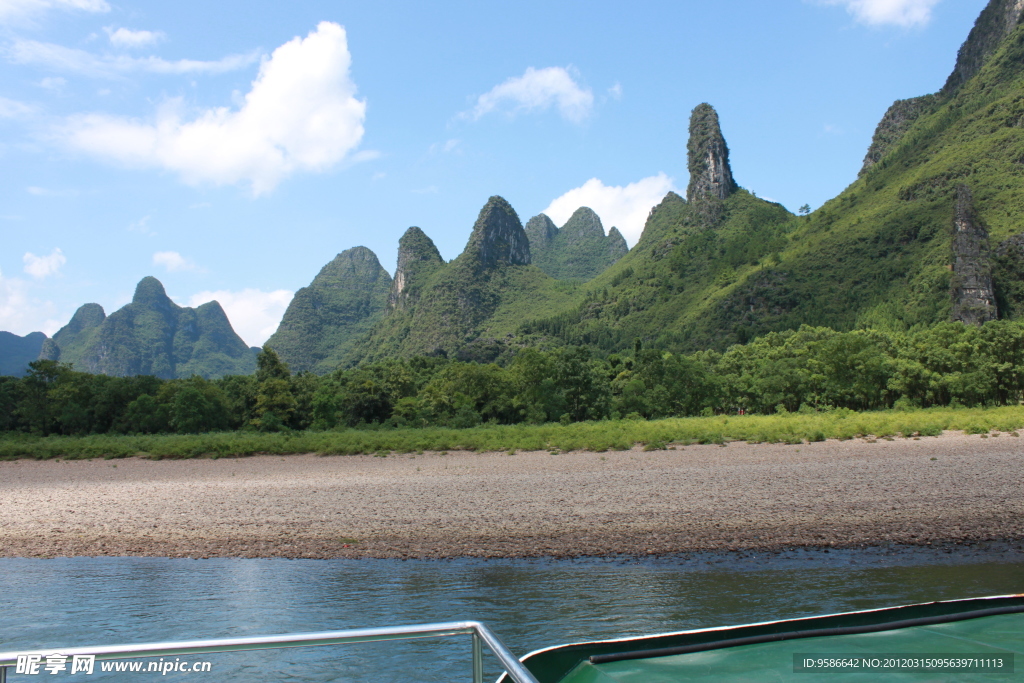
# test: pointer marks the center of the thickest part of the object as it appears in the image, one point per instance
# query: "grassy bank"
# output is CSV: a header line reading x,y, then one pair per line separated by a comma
x,y
595,436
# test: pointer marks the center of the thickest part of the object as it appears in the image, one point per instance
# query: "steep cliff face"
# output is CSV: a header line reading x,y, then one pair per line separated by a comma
x,y
152,336
498,237
579,250
325,319
971,289
418,257
896,122
996,22
708,157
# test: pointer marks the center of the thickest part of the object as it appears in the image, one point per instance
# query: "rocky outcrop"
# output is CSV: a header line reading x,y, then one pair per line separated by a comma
x,y
152,336
896,122
579,250
418,257
325,320
996,22
971,289
708,157
498,237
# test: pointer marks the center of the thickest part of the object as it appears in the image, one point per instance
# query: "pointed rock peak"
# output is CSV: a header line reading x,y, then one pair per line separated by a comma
x,y
617,243
541,230
357,255
417,256
498,237
416,246
358,263
86,317
994,24
583,223
710,174
212,308
150,291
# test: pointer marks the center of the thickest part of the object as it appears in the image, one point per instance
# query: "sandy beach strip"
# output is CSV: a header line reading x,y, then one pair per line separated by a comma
x,y
949,489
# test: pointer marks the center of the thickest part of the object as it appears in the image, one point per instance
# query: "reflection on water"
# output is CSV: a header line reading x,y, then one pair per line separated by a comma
x,y
529,603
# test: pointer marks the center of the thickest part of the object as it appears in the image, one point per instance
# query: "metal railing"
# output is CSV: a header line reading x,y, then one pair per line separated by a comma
x,y
480,633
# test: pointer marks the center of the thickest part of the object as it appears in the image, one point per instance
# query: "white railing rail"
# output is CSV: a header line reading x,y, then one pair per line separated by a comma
x,y
480,633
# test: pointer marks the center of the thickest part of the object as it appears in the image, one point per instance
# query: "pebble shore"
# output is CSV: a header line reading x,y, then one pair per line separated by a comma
x,y
953,489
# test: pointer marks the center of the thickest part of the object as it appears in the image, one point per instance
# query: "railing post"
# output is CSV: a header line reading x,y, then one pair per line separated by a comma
x,y
3,674
478,659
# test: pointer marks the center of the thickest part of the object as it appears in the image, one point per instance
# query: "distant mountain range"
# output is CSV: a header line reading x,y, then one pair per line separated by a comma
x,y
929,231
151,336
17,352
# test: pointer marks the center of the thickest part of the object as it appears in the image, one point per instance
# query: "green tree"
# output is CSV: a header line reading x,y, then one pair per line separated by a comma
x,y
583,385
145,415
197,406
275,403
35,408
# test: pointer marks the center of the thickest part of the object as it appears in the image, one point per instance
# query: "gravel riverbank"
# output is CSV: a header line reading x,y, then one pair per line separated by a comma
x,y
949,489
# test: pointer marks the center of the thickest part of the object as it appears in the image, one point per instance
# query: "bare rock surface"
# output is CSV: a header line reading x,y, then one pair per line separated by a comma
x,y
950,489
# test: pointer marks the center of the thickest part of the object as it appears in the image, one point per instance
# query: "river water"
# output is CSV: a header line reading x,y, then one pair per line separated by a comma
x,y
529,603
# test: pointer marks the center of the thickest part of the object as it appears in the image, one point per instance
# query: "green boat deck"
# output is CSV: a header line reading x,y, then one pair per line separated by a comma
x,y
993,626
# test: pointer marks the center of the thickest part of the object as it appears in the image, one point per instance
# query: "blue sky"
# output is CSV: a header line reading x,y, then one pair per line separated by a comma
x,y
232,148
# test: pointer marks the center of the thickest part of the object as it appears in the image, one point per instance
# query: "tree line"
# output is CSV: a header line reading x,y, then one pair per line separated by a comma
x,y
809,369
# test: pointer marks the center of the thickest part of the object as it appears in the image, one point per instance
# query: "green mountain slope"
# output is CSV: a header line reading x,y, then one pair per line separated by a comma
x,y
727,266
325,319
152,336
17,352
579,250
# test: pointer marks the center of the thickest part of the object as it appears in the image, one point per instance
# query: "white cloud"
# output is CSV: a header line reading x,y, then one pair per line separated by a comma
x,y
445,147
142,226
20,313
127,38
72,60
623,207
16,8
52,83
172,261
47,192
42,266
616,91
537,89
254,314
11,109
878,12
300,115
